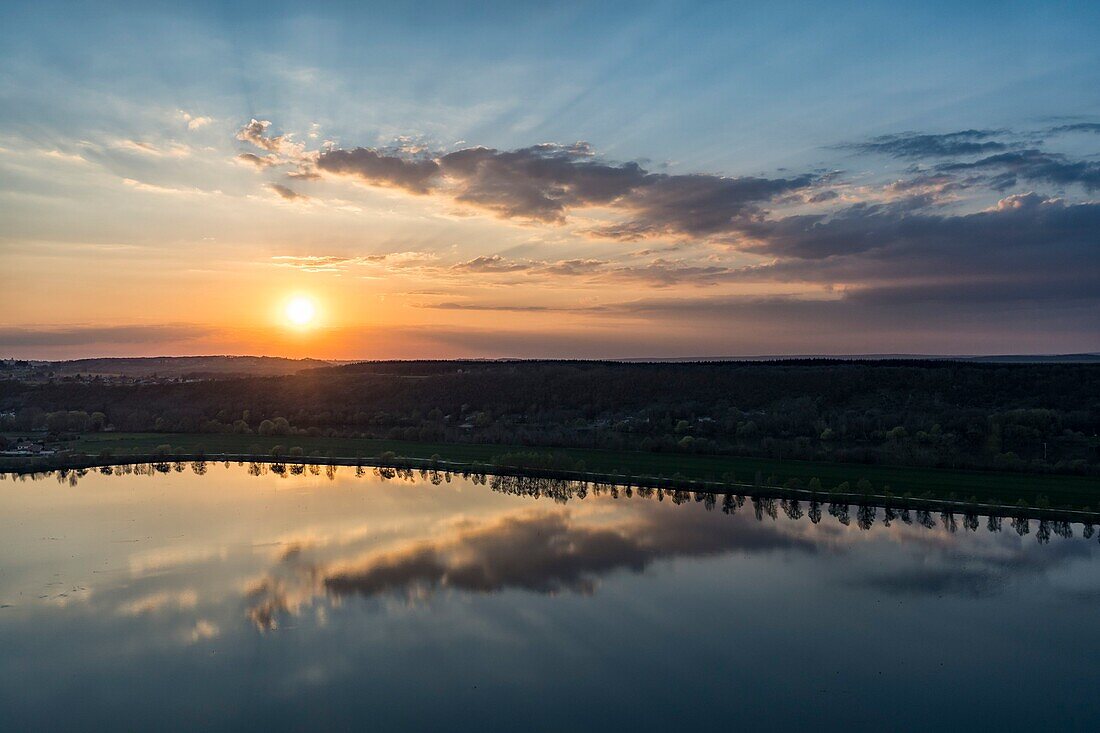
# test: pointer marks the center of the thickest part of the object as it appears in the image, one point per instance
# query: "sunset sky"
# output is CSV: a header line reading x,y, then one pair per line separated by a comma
x,y
582,180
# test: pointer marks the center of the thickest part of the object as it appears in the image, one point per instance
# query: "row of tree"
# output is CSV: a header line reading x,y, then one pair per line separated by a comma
x,y
1019,417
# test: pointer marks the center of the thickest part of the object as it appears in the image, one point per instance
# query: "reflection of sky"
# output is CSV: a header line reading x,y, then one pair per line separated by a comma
x,y
173,601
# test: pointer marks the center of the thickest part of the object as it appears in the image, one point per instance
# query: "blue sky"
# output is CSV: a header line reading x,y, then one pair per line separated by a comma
x,y
723,86
124,101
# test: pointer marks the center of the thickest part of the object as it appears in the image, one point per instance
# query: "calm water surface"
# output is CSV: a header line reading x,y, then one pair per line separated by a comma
x,y
230,601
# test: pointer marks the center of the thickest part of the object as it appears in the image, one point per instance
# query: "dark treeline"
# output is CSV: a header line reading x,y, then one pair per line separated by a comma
x,y
1021,417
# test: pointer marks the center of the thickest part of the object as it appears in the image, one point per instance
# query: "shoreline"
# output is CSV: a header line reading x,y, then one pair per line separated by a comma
x,y
880,500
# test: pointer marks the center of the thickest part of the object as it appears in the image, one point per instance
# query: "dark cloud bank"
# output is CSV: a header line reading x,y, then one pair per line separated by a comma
x,y
544,182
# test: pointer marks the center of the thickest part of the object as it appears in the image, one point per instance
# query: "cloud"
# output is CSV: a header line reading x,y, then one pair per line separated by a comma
x,y
194,122
371,166
316,263
923,145
1076,127
491,263
1035,166
338,263
166,190
255,132
834,252
658,272
547,182
503,308
97,335
575,267
287,193
1025,223
698,205
539,182
169,150
256,160
1027,245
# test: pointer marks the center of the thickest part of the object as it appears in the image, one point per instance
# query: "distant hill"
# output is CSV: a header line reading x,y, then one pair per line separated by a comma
x,y
1041,359
1084,358
181,366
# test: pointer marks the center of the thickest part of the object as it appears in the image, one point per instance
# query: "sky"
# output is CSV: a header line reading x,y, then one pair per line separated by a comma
x,y
578,180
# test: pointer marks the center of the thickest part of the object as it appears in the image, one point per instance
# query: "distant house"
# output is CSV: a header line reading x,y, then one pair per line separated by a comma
x,y
28,448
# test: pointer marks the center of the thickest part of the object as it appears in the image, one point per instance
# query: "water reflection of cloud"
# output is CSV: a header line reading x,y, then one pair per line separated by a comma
x,y
542,551
984,568
203,629
159,601
167,558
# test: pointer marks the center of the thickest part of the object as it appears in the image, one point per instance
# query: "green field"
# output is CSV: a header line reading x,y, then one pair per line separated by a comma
x,y
1061,491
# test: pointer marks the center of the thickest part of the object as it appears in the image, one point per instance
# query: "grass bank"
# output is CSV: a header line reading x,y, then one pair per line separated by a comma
x,y
1006,488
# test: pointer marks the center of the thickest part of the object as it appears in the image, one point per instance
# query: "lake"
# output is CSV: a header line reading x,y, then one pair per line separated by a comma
x,y
234,598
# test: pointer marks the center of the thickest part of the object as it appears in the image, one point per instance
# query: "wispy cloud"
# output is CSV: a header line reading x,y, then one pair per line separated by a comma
x,y
925,145
96,335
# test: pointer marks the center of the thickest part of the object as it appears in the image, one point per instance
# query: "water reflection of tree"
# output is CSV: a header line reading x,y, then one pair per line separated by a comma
x,y
558,490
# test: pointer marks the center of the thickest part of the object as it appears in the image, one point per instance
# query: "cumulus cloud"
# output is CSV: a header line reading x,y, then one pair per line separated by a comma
x,y
194,122
540,182
546,182
411,174
257,133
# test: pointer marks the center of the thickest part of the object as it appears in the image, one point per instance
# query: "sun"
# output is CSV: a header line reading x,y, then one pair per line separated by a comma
x,y
300,310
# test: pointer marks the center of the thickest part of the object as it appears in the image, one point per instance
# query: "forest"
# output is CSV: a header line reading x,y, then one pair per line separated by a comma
x,y
1040,418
